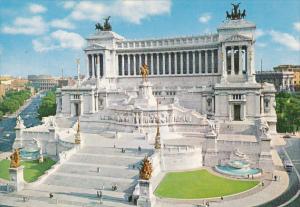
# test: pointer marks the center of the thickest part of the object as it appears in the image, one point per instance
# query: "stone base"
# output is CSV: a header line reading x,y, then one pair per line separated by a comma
x,y
16,179
145,96
146,198
211,158
266,162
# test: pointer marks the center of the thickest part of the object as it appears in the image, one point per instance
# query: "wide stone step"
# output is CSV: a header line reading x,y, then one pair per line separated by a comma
x,y
75,196
120,161
114,151
115,155
90,182
105,171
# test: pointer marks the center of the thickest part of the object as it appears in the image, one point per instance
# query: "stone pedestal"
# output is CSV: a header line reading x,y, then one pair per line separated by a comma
x,y
211,157
16,178
146,198
265,159
145,97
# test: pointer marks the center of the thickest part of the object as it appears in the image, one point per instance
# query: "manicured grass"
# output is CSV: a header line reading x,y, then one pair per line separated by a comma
x,y
200,184
32,169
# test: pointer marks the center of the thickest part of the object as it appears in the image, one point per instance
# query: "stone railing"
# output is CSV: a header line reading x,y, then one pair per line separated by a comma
x,y
62,157
180,41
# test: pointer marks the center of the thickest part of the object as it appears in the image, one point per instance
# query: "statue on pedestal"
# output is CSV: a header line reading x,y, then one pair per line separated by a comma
x,y
144,71
146,170
15,159
236,12
106,26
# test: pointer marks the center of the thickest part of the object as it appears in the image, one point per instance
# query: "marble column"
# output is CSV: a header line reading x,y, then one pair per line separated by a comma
x,y
248,60
157,64
134,64
139,63
206,61
129,64
200,61
151,64
169,59
175,62
187,62
98,66
232,60
93,66
181,63
146,59
88,66
164,63
123,65
212,61
224,62
240,61
194,63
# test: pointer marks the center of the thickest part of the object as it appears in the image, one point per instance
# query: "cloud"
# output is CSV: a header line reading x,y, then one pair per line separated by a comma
x,y
297,26
29,26
259,33
69,4
131,11
261,44
204,18
59,39
286,40
62,24
37,8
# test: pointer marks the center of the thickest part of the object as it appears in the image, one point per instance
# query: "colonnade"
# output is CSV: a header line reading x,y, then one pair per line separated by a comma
x,y
237,59
166,63
95,65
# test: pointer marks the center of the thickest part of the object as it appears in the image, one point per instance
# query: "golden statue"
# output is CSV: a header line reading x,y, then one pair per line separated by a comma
x,y
144,71
146,170
15,159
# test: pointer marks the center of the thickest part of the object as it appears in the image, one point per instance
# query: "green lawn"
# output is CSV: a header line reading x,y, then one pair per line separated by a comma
x,y
200,184
32,169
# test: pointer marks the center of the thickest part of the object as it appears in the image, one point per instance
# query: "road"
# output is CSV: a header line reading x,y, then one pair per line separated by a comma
x,y
293,150
7,125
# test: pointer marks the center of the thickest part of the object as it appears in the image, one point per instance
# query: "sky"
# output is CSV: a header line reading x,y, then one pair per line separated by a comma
x,y
44,36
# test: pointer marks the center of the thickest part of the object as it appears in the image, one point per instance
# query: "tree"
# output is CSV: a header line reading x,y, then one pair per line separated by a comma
x,y
48,105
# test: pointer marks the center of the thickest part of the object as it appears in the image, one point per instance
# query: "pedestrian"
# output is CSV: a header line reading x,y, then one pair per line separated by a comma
x,y
100,196
50,195
139,149
98,169
275,177
262,184
222,198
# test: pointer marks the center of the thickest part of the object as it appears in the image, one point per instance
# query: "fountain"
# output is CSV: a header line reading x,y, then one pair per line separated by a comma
x,y
238,166
32,151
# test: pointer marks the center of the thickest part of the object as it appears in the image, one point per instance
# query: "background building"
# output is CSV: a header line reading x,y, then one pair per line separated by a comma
x,y
291,68
282,80
43,82
12,83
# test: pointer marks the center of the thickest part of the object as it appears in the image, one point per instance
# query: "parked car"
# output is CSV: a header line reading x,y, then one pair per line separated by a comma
x,y
287,136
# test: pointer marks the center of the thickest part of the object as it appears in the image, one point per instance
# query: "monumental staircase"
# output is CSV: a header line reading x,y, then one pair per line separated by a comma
x,y
77,180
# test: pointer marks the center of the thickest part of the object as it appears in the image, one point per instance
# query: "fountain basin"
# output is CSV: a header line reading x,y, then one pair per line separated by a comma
x,y
239,164
238,172
32,153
